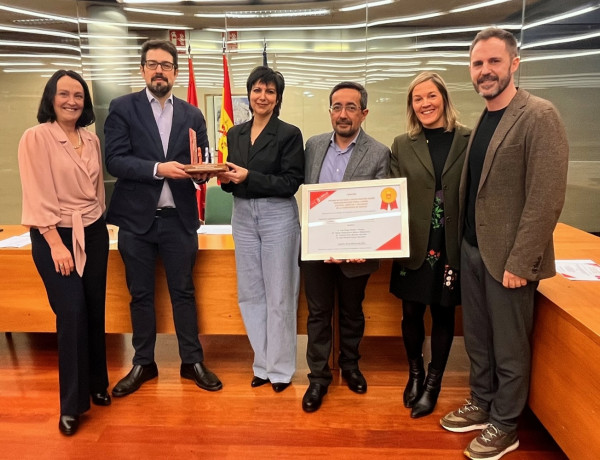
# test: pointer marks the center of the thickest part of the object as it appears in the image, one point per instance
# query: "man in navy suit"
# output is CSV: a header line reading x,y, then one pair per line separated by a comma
x,y
154,206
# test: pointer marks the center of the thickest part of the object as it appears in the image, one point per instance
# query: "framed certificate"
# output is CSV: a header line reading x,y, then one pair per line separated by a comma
x,y
355,220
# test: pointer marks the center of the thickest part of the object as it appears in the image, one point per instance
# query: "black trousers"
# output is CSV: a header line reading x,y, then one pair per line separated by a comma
x,y
79,306
177,248
321,282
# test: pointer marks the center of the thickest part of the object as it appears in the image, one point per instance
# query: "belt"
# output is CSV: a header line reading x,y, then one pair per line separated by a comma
x,y
165,212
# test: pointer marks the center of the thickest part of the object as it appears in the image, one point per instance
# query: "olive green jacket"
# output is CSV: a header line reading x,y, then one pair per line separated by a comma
x,y
411,159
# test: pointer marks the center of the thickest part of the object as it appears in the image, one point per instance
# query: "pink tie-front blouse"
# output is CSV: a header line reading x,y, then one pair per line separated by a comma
x,y
60,188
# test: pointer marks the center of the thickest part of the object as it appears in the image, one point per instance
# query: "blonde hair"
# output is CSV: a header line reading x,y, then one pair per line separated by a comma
x,y
413,125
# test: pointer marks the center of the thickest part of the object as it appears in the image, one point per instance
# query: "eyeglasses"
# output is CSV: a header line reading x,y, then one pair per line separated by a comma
x,y
351,109
153,65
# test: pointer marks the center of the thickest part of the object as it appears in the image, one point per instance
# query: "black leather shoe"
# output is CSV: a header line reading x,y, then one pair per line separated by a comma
x,y
68,424
280,386
313,397
258,382
355,380
133,381
200,374
101,399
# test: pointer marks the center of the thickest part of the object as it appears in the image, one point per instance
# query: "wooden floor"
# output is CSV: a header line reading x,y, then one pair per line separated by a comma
x,y
171,418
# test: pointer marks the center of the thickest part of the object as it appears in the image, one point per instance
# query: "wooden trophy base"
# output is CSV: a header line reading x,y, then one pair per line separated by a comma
x,y
205,168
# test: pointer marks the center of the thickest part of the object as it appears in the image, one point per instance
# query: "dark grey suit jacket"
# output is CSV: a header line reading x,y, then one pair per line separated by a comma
x,y
522,189
370,160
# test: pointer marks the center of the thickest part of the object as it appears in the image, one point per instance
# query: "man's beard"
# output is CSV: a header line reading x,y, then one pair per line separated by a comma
x,y
162,90
347,131
502,85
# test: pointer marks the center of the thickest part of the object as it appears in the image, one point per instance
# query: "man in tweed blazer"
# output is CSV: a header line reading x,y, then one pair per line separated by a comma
x,y
511,194
346,154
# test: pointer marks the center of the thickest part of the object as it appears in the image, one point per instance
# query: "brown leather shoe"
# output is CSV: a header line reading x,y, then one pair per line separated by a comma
x,y
134,380
200,374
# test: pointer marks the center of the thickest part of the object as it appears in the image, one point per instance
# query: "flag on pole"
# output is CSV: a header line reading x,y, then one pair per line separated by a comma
x,y
192,98
226,119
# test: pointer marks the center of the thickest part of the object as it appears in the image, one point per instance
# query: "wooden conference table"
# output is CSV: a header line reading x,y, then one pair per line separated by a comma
x,y
565,377
565,383
24,305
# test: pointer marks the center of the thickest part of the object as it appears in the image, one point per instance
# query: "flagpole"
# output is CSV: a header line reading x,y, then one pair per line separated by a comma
x,y
265,64
192,98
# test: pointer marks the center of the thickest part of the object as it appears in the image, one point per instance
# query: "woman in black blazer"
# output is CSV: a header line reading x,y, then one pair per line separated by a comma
x,y
431,157
266,161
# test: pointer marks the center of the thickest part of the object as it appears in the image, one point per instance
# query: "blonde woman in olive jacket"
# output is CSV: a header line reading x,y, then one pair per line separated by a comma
x,y
431,157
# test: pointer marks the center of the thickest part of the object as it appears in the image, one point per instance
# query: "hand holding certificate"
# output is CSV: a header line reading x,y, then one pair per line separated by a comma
x,y
355,220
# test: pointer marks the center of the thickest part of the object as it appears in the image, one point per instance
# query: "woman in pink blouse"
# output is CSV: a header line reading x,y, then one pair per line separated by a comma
x,y
63,204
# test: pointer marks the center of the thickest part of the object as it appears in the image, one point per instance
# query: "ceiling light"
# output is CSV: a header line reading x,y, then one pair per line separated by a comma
x,y
155,2
141,25
560,17
457,44
38,56
110,47
366,5
45,69
417,17
38,14
561,40
66,64
39,45
30,30
146,11
475,6
568,54
6,64
266,14
116,37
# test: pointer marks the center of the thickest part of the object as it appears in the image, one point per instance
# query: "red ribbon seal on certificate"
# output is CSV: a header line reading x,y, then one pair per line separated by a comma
x,y
388,198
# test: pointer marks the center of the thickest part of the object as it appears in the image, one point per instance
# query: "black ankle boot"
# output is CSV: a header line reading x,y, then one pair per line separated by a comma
x,y
426,403
414,386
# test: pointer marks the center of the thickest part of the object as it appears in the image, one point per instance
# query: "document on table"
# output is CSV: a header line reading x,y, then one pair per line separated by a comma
x,y
579,269
18,241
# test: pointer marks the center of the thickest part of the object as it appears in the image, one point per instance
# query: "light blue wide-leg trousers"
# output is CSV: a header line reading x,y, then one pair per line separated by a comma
x,y
267,244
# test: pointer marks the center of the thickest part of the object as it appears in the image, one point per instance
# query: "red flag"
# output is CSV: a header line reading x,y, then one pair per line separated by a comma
x,y
226,119
192,98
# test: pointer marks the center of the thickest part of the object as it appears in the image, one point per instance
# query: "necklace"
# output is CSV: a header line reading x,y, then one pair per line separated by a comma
x,y
78,146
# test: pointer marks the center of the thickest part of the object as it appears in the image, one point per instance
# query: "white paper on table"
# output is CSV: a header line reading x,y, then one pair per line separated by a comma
x,y
215,230
16,241
579,269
